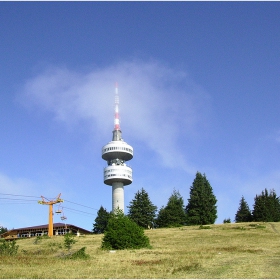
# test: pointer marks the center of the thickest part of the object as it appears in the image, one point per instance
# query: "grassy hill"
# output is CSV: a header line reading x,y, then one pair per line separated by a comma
x,y
245,250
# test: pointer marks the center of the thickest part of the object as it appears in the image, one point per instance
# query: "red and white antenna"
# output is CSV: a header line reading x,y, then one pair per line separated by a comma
x,y
117,117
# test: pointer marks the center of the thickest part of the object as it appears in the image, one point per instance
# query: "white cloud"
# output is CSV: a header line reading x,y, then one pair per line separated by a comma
x,y
161,107
14,185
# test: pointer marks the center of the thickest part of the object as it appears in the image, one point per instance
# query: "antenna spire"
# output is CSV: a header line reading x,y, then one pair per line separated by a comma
x,y
117,118
117,134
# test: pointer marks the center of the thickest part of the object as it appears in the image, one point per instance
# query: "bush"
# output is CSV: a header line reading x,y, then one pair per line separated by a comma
x,y
80,254
69,240
227,221
8,248
204,227
37,240
122,233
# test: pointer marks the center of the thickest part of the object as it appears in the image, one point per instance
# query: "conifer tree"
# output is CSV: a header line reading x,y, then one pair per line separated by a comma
x,y
3,230
201,208
101,220
141,210
266,207
173,214
243,213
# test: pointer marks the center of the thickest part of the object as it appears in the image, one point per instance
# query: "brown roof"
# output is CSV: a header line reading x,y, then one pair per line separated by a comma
x,y
55,225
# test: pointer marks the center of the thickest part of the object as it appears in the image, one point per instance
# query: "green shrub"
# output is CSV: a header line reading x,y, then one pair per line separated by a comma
x,y
8,247
122,233
257,226
204,227
80,254
54,246
37,240
69,240
227,221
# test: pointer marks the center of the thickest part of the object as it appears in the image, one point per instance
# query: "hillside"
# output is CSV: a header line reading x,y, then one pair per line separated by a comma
x,y
247,250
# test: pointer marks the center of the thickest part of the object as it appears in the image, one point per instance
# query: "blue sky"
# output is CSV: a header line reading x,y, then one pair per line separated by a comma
x,y
199,91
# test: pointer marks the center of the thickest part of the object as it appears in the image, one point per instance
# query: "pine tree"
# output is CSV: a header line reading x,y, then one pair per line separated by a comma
x,y
201,208
275,206
101,220
243,213
3,230
266,207
173,214
141,210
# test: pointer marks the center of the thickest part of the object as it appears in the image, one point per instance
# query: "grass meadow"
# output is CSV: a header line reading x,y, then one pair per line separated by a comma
x,y
245,250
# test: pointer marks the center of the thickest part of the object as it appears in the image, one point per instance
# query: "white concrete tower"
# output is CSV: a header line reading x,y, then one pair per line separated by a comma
x,y
117,152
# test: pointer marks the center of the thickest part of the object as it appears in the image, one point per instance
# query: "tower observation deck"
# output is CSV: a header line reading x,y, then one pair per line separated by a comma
x,y
117,152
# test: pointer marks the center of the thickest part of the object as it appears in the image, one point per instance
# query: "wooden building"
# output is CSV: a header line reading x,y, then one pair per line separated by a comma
x,y
58,229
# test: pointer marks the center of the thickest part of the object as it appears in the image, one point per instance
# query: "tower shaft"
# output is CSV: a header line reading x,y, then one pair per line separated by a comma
x,y
117,196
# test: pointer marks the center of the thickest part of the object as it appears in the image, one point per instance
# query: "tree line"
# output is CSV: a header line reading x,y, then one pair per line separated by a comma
x,y
266,208
200,210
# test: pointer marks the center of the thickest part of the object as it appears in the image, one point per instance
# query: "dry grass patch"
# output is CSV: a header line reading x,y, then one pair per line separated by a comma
x,y
223,251
146,262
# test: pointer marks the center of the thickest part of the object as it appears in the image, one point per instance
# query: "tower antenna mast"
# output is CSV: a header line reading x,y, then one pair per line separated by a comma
x,y
117,133
117,101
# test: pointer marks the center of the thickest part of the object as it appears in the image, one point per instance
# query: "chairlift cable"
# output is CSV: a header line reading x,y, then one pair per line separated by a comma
x,y
28,201
17,199
19,195
80,204
78,211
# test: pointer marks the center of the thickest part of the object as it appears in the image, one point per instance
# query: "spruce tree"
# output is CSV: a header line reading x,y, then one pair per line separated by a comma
x,y
101,220
275,206
266,207
173,214
243,213
201,208
141,210
3,230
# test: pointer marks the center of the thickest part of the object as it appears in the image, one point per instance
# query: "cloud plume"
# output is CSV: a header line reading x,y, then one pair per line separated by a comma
x,y
159,105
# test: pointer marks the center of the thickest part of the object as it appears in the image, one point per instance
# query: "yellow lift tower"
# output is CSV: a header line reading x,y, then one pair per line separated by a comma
x,y
50,203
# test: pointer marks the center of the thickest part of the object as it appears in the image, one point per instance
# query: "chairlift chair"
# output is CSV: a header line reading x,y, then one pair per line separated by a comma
x,y
59,210
62,216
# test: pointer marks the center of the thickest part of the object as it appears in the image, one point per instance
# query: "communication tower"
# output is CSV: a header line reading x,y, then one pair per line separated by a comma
x,y
117,152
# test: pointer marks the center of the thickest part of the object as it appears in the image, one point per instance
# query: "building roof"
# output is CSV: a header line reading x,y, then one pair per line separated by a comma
x,y
55,225
44,227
